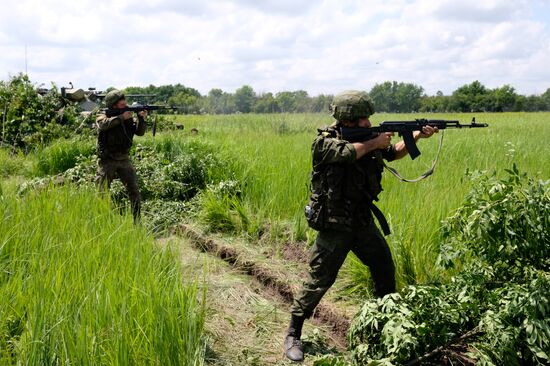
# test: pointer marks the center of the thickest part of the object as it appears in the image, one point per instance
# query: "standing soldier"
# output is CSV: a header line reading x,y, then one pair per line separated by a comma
x,y
346,179
114,141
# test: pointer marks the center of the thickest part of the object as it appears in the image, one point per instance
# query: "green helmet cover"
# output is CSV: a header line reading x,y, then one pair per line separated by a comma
x,y
351,105
112,97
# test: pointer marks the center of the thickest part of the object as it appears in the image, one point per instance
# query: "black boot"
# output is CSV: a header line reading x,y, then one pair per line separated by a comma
x,y
293,346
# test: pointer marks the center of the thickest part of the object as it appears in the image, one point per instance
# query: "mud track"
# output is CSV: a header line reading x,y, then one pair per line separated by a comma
x,y
272,282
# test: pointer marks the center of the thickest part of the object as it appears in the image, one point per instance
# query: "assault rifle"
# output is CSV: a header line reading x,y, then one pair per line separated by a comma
x,y
404,129
113,112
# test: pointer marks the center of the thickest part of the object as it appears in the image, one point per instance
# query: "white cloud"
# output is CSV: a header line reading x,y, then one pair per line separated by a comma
x,y
320,47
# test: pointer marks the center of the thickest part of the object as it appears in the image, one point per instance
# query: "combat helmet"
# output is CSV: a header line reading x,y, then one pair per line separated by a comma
x,y
351,105
112,97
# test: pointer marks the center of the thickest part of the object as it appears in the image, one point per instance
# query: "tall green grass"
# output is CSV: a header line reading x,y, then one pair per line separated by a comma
x,y
273,160
61,155
80,284
12,163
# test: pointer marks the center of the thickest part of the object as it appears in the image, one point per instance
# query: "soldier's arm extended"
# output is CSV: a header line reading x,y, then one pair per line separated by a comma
x,y
105,123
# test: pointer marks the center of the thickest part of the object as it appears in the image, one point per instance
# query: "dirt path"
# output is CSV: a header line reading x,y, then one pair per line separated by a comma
x,y
246,319
282,276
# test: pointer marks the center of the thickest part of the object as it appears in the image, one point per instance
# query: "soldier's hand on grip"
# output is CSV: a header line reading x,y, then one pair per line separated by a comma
x,y
127,115
383,141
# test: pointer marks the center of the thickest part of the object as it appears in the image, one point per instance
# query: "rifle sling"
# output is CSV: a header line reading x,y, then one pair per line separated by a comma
x,y
425,174
381,219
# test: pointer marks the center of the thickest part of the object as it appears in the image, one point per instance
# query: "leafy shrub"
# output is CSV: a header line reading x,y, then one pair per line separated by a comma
x,y
28,118
505,223
170,174
160,216
497,310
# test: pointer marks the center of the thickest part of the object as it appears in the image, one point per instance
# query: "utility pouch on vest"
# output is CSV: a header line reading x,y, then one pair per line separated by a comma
x,y
315,212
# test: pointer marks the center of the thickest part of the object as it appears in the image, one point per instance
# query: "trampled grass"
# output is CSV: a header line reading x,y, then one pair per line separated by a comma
x,y
80,284
272,153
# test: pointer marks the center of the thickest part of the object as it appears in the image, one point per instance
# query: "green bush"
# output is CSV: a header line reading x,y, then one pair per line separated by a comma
x,y
497,309
505,223
170,174
30,119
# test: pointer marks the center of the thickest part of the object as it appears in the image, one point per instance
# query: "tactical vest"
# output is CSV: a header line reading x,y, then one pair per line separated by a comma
x,y
343,194
116,141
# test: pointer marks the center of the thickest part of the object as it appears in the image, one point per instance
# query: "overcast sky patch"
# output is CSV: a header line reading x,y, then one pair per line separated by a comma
x,y
276,45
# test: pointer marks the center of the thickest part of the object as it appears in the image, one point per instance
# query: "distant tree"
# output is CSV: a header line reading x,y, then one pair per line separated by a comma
x,y
266,103
437,103
504,98
545,100
320,103
470,98
162,93
396,97
301,101
286,101
245,98
191,103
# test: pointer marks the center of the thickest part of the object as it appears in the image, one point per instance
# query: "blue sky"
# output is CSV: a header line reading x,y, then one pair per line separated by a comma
x,y
274,45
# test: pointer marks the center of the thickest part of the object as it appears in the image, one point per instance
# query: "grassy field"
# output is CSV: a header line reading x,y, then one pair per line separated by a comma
x,y
272,156
80,284
85,286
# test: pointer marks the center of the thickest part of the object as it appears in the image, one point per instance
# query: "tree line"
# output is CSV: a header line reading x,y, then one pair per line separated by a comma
x,y
389,96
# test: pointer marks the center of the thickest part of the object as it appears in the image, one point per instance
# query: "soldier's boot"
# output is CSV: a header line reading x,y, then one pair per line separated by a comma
x,y
293,347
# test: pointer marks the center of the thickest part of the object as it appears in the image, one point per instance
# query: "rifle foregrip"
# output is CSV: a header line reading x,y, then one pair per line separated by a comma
x,y
410,144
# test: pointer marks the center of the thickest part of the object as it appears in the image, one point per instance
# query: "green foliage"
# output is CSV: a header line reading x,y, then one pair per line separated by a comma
x,y
162,93
81,284
11,163
475,97
516,329
222,209
389,96
396,97
28,118
174,177
61,155
497,307
170,172
161,216
244,99
270,155
504,222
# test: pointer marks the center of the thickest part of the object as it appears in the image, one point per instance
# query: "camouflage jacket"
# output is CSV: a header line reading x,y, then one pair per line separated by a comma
x,y
343,188
116,135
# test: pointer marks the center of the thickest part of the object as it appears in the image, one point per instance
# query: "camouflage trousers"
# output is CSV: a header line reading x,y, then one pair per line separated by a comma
x,y
110,169
327,256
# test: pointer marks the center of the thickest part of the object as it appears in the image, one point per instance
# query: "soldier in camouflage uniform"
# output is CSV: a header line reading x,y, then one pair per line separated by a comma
x,y
114,141
346,179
